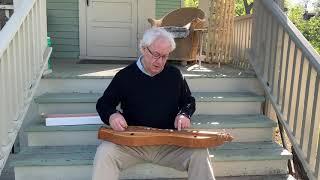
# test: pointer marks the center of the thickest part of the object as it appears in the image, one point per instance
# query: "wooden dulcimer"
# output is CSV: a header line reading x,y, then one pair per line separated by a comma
x,y
143,136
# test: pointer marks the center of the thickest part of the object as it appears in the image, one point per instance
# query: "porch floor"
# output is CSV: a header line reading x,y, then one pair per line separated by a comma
x,y
65,69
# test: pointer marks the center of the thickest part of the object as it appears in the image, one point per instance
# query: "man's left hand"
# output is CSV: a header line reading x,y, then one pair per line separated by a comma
x,y
181,122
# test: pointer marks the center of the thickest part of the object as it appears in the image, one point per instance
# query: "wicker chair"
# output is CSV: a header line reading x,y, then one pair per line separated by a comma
x,y
191,18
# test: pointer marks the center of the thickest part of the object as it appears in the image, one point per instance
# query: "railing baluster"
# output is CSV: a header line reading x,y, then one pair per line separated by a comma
x,y
245,41
258,36
254,28
242,25
234,44
267,51
14,77
302,110
293,87
317,170
273,54
5,100
30,51
301,88
29,55
20,70
314,132
37,32
261,43
9,84
250,35
314,127
3,110
238,42
25,60
34,55
308,107
277,75
286,76
43,20
285,40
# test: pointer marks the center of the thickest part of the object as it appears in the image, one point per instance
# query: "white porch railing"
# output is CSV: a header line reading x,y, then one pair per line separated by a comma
x,y
289,69
23,57
241,40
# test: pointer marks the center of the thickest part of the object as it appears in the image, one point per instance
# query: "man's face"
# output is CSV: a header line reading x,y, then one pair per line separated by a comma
x,y
155,56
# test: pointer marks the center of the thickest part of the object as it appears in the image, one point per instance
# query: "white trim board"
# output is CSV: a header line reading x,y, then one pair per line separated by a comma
x,y
72,119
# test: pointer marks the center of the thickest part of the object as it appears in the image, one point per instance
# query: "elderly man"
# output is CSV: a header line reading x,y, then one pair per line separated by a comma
x,y
153,94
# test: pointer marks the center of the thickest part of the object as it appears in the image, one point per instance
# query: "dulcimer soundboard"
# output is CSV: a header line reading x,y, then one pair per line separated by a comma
x,y
144,136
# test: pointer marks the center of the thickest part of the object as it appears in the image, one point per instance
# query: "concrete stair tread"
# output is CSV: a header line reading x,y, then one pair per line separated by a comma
x,y
83,155
198,122
199,96
98,70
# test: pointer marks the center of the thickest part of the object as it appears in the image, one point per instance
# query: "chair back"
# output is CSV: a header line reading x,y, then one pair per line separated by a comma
x,y
182,16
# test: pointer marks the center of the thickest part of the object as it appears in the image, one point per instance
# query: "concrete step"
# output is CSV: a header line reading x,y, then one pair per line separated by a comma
x,y
70,77
242,127
207,102
82,84
75,162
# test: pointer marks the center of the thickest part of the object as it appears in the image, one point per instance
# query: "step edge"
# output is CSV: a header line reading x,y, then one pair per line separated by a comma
x,y
285,155
92,98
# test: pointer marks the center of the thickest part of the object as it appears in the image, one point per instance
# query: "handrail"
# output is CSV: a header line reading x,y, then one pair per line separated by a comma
x,y
10,29
239,18
294,33
288,69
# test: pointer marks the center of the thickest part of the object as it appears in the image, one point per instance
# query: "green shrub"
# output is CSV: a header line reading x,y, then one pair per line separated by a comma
x,y
309,28
191,3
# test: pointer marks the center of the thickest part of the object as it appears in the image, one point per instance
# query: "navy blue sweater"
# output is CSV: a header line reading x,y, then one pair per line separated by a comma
x,y
145,100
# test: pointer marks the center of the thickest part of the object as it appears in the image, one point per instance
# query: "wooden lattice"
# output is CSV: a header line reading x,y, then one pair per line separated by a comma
x,y
220,30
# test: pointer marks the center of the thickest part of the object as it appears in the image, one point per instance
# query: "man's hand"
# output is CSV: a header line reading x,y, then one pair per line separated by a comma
x,y
181,122
117,122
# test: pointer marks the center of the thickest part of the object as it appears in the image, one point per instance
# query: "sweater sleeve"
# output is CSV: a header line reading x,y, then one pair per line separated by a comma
x,y
106,105
187,101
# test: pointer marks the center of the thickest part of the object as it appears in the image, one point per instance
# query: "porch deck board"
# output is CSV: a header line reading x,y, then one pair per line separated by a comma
x,y
107,69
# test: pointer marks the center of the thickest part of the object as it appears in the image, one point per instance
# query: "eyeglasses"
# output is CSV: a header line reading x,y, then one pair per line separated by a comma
x,y
157,56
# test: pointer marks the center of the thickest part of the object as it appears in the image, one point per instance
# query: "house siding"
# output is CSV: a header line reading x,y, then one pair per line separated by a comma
x,y
63,28
165,6
63,25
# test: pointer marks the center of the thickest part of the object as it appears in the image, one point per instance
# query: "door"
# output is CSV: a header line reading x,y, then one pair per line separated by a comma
x,y
112,28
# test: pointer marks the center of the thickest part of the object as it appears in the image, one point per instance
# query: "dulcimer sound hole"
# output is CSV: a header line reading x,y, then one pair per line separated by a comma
x,y
132,134
195,136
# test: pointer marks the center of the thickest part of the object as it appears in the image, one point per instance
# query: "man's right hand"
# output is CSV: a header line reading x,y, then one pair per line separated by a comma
x,y
117,122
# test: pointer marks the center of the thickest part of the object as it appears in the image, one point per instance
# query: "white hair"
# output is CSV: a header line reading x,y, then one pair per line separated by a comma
x,y
153,34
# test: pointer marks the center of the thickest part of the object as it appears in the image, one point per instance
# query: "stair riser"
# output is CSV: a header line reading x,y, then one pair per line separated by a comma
x,y
148,171
209,108
216,108
62,138
195,84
